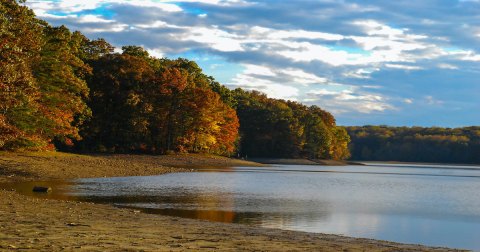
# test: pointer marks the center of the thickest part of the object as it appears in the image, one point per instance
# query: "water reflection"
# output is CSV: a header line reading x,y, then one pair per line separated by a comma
x,y
61,190
432,205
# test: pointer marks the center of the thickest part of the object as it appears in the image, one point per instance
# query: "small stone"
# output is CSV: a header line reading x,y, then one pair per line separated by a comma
x,y
42,189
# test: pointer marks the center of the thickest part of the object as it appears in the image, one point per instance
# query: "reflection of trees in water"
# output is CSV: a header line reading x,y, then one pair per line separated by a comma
x,y
213,206
284,213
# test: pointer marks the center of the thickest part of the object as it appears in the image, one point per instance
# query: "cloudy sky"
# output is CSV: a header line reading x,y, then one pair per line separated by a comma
x,y
374,62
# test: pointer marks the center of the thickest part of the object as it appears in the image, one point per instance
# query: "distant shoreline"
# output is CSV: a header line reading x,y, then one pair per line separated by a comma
x,y
302,161
418,163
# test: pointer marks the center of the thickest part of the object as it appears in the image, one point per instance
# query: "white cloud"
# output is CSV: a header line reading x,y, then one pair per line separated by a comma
x,y
216,38
168,7
156,53
430,100
404,67
323,92
372,27
93,19
307,52
257,70
348,100
78,6
156,24
362,73
270,88
264,79
447,66
292,76
275,34
214,2
112,28
302,77
372,86
471,57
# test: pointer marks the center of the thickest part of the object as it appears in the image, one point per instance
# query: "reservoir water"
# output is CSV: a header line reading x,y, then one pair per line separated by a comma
x,y
436,205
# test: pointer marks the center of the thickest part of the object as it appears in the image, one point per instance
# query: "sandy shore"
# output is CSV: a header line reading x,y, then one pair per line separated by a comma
x,y
28,223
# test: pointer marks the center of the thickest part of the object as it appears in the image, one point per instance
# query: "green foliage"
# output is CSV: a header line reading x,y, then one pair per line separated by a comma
x,y
136,51
415,144
63,91
92,49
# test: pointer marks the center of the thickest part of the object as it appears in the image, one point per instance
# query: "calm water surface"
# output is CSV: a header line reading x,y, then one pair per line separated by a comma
x,y
427,204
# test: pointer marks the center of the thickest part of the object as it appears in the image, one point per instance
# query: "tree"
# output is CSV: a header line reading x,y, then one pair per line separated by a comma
x,y
140,103
59,72
20,44
120,117
136,51
211,125
285,129
318,139
415,144
341,139
91,50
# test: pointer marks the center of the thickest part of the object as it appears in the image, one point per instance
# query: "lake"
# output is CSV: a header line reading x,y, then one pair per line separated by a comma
x,y
436,205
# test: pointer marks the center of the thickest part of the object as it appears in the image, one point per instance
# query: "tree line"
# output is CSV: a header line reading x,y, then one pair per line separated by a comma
x,y
59,89
415,144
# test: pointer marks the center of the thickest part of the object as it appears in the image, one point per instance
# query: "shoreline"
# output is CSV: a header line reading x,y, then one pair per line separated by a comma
x,y
418,163
304,161
52,225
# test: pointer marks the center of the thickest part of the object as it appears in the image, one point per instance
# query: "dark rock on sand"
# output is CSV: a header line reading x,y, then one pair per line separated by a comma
x,y
42,189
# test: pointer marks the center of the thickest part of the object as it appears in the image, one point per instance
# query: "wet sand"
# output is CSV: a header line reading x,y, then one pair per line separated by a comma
x,y
28,223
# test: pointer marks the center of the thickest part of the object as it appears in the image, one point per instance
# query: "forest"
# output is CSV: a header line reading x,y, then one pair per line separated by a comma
x,y
415,144
62,90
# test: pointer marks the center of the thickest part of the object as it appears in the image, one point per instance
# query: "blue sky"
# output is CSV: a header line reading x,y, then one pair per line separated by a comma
x,y
403,62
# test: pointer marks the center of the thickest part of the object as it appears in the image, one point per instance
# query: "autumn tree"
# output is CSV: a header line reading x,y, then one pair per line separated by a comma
x,y
145,104
42,87
60,74
20,44
318,138
119,116
211,126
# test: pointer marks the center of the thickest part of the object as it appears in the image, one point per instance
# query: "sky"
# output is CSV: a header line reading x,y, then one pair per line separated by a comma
x,y
399,63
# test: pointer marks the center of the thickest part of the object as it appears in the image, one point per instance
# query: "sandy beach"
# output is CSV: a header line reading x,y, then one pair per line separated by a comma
x,y
28,223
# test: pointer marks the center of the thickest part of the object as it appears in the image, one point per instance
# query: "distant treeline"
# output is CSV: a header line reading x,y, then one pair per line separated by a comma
x,y
415,144
59,89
